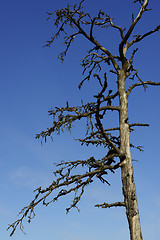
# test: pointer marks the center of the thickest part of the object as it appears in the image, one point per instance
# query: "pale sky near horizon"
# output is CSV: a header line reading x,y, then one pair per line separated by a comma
x,y
32,82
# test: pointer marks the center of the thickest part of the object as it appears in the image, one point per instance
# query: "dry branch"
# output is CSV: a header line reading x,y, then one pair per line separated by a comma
x,y
109,205
142,84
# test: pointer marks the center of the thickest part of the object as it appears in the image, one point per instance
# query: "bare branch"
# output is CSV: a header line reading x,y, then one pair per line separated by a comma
x,y
99,124
137,125
140,84
140,37
140,1
98,45
117,27
67,120
130,30
108,205
64,117
65,182
91,29
68,42
75,18
93,62
136,75
95,138
140,148
130,62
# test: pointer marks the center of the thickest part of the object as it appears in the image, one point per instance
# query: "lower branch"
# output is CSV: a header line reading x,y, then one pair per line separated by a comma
x,y
66,183
108,205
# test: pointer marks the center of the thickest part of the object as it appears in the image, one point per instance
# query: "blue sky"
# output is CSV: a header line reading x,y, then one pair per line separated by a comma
x,y
32,82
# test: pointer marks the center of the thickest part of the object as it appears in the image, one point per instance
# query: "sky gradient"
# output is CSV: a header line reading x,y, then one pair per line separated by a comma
x,y
32,82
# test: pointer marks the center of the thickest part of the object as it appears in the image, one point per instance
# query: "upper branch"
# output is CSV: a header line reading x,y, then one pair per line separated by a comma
x,y
140,84
140,37
130,30
96,43
75,18
117,27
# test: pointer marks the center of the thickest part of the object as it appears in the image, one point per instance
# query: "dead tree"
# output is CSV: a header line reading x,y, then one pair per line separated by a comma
x,y
73,22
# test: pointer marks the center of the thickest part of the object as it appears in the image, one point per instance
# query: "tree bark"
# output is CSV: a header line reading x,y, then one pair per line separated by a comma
x,y
127,174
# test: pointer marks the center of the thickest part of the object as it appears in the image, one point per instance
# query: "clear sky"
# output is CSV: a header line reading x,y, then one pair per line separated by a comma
x,y
33,81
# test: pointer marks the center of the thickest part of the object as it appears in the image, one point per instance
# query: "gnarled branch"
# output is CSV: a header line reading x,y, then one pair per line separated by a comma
x,y
66,183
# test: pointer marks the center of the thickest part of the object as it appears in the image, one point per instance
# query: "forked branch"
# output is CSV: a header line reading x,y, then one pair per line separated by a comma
x,y
123,45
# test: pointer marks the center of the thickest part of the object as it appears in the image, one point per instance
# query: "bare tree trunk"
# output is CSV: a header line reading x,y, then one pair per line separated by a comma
x,y
127,174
